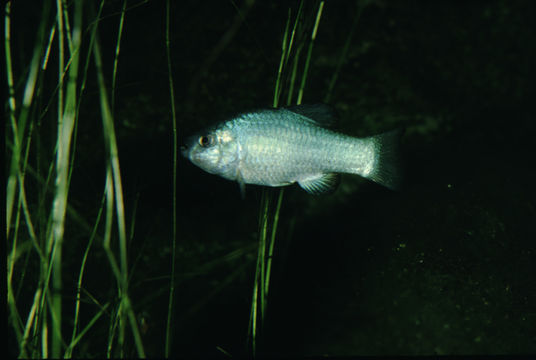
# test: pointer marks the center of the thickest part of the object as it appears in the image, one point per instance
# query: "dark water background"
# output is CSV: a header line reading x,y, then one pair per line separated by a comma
x,y
447,265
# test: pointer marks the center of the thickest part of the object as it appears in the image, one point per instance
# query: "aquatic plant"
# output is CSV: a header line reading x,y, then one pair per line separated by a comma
x,y
52,235
292,46
39,179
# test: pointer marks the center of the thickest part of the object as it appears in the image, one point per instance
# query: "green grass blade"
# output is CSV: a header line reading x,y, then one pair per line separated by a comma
x,y
116,57
284,57
76,340
116,195
272,242
310,52
18,124
74,336
266,246
174,195
344,53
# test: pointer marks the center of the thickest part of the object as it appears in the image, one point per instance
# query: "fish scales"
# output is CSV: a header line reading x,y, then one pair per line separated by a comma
x,y
280,149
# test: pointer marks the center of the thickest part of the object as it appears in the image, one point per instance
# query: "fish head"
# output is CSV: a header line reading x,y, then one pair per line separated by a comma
x,y
215,151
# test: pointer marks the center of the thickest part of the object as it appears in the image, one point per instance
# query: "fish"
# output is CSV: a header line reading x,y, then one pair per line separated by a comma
x,y
294,144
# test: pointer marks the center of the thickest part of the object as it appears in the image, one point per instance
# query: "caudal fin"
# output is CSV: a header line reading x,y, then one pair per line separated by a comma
x,y
387,167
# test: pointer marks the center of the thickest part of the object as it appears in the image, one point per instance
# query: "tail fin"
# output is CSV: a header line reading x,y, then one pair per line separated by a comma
x,y
387,169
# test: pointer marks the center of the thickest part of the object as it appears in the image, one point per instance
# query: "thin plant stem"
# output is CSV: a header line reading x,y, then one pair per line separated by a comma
x,y
39,331
76,340
310,52
174,195
75,336
262,254
258,284
284,56
29,323
272,242
18,124
294,73
116,57
66,120
344,53
266,248
114,178
286,49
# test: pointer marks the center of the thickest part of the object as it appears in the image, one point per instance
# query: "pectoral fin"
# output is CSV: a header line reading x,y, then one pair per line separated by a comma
x,y
242,184
242,190
321,184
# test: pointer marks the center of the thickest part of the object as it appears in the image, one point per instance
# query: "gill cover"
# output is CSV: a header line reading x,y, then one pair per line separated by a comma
x,y
215,151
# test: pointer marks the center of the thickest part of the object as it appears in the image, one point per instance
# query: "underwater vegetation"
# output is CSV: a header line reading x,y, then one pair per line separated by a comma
x,y
119,247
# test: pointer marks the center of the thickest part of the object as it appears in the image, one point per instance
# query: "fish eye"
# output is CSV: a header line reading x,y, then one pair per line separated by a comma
x,y
206,140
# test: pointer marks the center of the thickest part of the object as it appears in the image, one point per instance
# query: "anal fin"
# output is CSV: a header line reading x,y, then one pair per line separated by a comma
x,y
321,184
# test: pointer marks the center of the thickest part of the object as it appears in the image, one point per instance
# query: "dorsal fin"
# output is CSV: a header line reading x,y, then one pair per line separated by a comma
x,y
320,114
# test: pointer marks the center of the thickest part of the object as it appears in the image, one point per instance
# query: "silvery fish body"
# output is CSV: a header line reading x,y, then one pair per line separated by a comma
x,y
278,147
